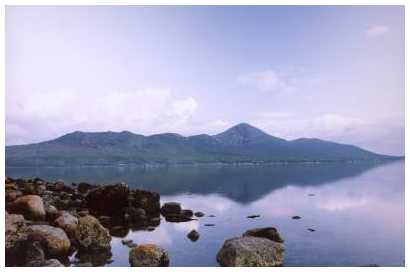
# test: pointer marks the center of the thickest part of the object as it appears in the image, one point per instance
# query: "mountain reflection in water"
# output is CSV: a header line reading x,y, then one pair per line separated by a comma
x,y
356,210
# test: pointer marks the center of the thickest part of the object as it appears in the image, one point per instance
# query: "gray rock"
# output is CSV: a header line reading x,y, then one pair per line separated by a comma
x,y
91,235
34,254
251,251
67,222
56,240
52,263
148,255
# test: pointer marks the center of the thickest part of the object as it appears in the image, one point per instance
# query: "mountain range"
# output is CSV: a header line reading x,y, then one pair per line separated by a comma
x,y
242,143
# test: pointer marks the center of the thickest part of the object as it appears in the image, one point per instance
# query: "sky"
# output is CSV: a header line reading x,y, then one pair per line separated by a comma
x,y
329,72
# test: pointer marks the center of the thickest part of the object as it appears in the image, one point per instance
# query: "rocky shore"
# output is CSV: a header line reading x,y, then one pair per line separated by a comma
x,y
49,222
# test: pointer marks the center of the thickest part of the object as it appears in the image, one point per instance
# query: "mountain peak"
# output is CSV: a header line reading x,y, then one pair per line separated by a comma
x,y
243,133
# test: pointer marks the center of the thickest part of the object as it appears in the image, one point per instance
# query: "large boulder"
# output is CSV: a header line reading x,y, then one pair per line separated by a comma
x,y
148,255
251,251
15,238
147,200
171,208
108,199
270,233
56,240
91,235
31,206
67,222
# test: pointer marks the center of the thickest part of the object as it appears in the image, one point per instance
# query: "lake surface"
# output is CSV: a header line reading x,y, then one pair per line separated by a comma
x,y
357,210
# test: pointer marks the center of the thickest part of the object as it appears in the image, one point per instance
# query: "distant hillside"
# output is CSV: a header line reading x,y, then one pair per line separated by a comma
x,y
242,143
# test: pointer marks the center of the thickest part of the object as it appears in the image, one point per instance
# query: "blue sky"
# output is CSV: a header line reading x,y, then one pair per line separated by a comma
x,y
335,73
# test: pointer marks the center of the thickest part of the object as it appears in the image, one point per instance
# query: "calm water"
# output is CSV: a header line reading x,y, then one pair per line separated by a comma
x,y
357,209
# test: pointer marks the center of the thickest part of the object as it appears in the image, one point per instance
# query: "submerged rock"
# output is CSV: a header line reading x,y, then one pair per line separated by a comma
x,y
250,251
193,235
254,216
296,217
270,233
311,230
91,235
31,206
199,214
56,240
148,255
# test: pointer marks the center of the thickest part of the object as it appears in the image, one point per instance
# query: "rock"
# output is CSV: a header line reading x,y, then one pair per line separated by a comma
x,y
51,212
254,216
251,251
108,199
59,186
56,240
91,235
311,194
98,257
171,208
147,200
134,214
148,255
67,222
193,235
15,238
268,233
209,225
311,230
52,263
187,213
84,187
296,217
31,206
199,214
177,218
83,213
129,243
211,215
11,195
34,254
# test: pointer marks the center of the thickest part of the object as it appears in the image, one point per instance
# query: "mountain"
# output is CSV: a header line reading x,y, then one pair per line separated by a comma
x,y
242,143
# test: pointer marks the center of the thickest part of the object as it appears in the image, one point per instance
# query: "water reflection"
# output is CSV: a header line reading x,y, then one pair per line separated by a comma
x,y
242,184
357,210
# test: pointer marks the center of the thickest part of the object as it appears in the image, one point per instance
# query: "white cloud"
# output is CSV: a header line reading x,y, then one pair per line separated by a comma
x,y
289,126
50,114
378,30
268,81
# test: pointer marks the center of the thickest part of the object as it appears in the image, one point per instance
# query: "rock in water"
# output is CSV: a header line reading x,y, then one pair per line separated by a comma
x,y
268,233
91,235
296,217
15,238
148,255
67,222
108,199
31,206
193,235
251,251
171,208
57,242
199,214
